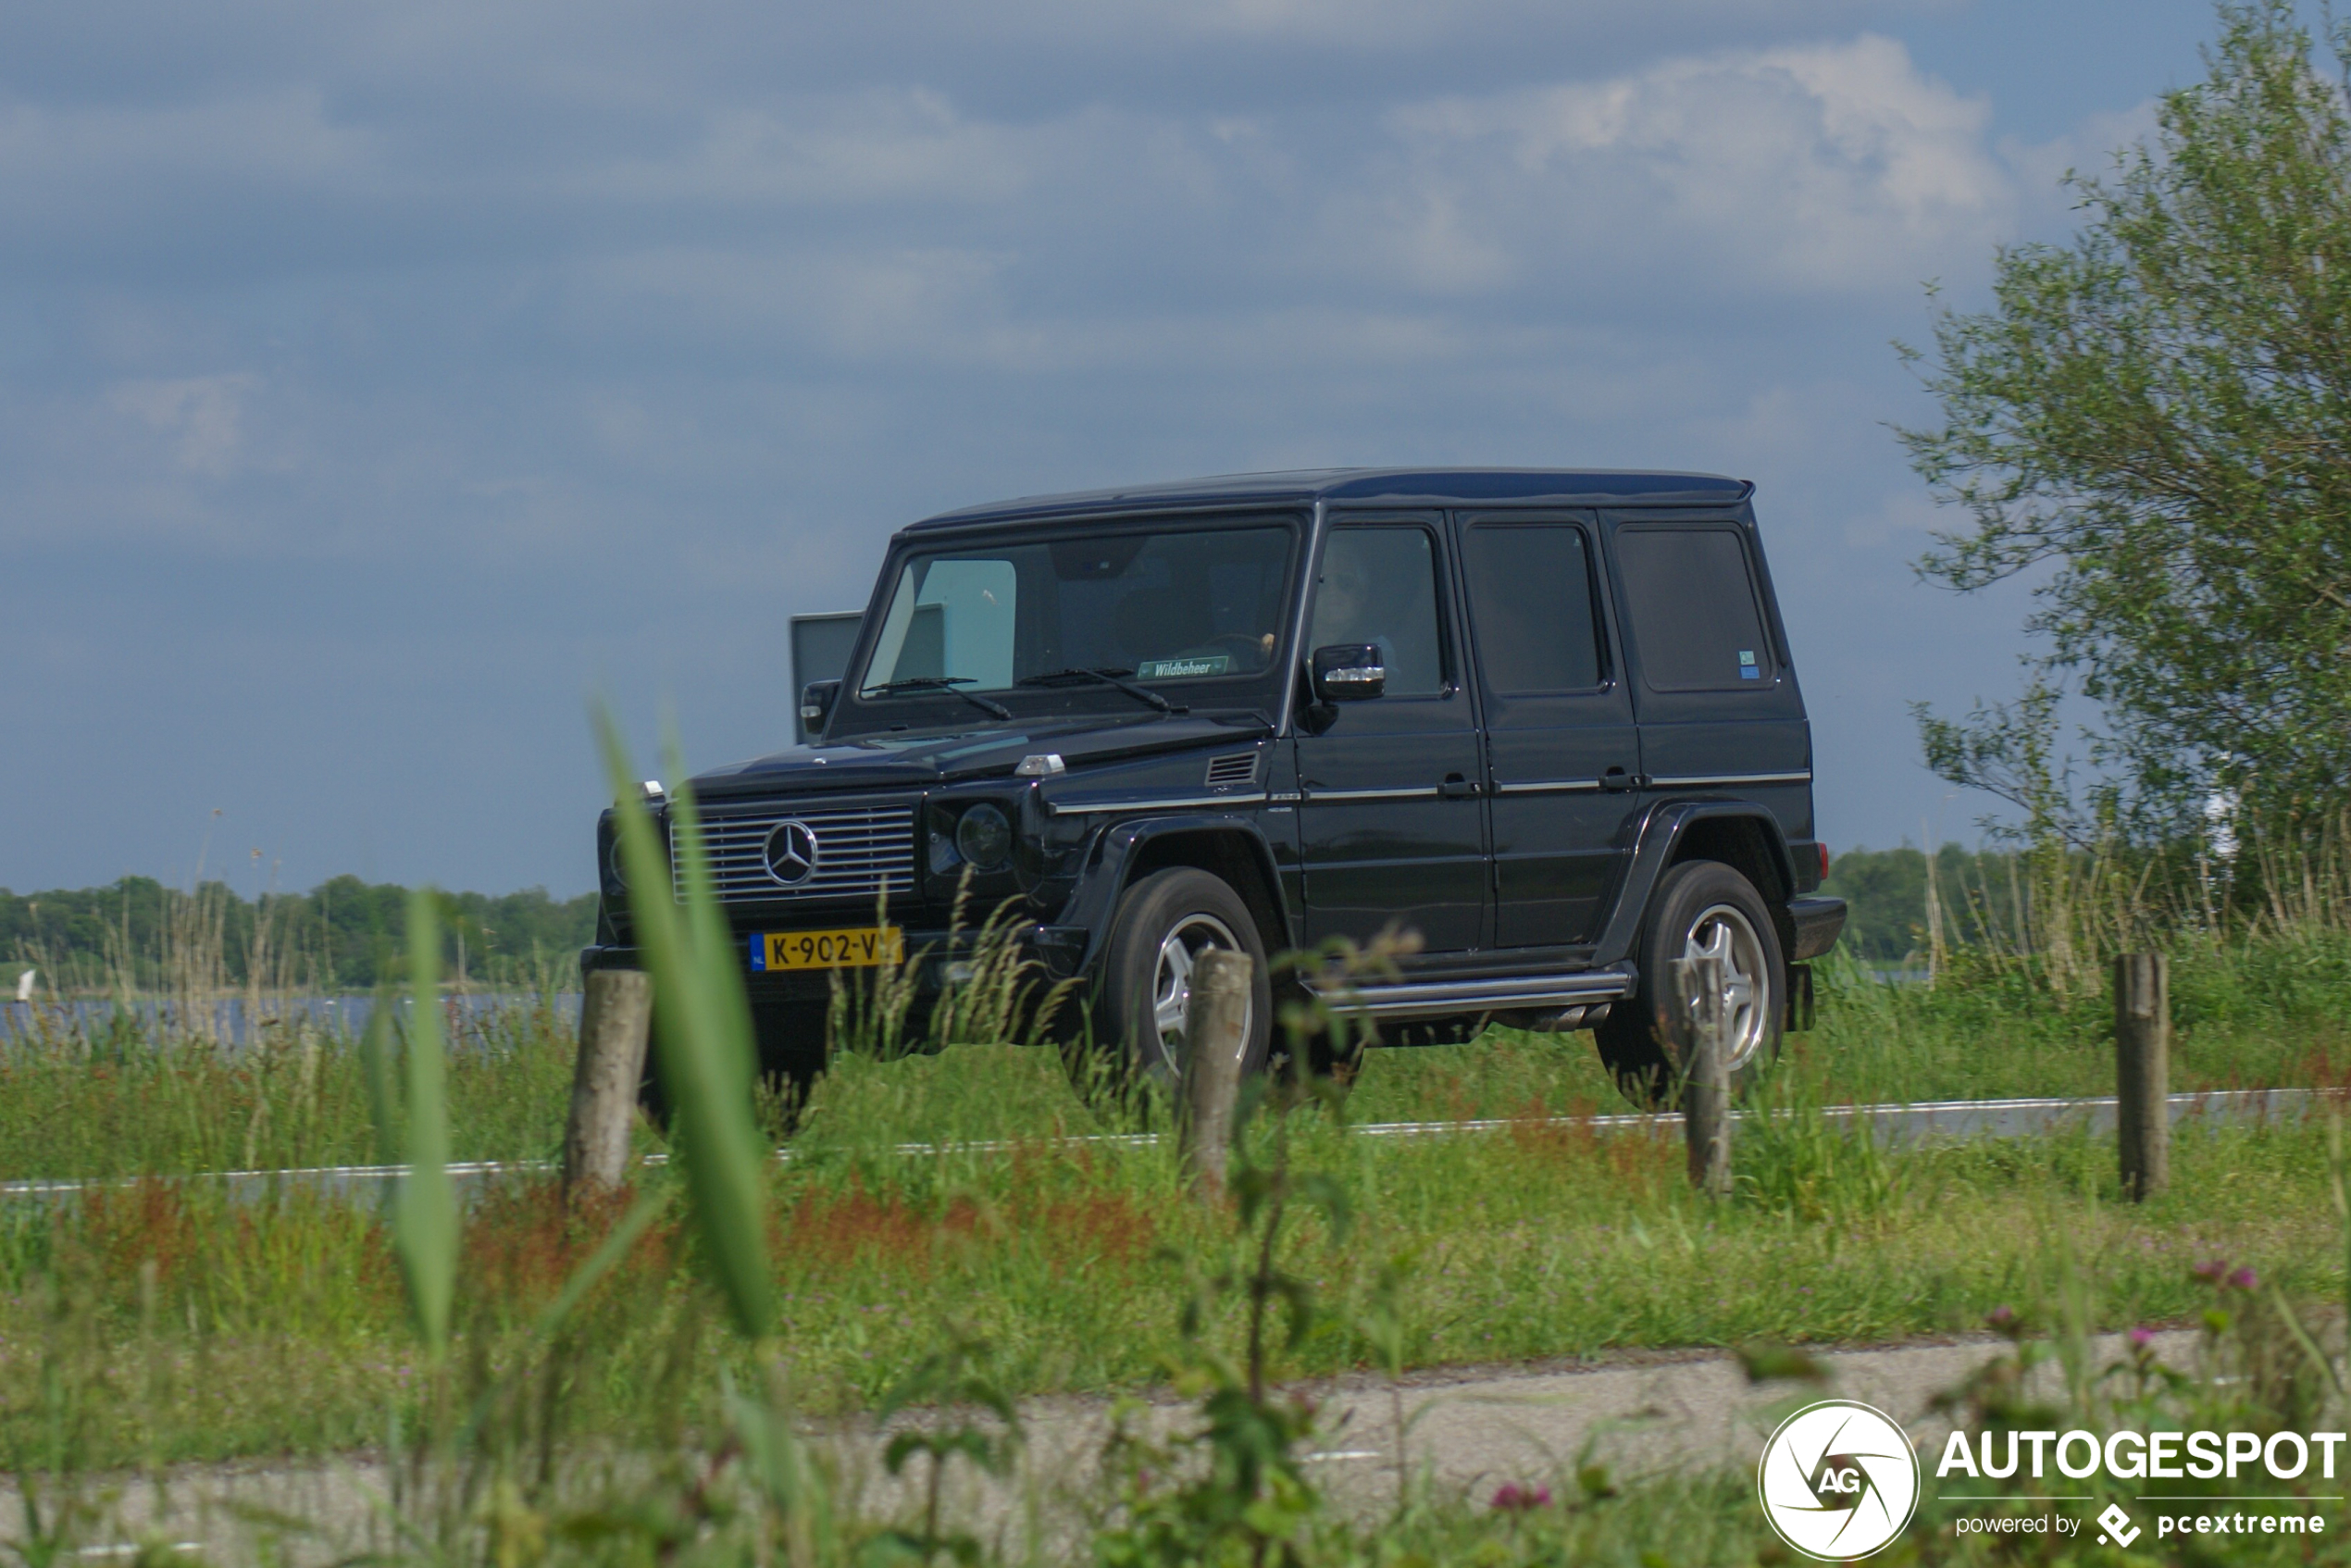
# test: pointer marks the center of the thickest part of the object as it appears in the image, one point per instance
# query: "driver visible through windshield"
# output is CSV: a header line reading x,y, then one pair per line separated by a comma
x,y
1114,610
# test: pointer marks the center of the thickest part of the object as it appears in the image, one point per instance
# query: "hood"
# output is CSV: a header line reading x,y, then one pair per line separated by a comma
x,y
915,758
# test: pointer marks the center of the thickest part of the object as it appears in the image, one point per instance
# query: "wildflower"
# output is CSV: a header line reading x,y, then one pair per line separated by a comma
x,y
2001,1316
2142,1337
2243,1279
1512,1498
2210,1270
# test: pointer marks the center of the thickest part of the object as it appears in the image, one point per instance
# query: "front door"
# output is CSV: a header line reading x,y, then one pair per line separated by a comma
x,y
1391,829
1562,748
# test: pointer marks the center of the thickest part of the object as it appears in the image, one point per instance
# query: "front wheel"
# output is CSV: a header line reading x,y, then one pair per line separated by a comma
x,y
1701,908
1164,923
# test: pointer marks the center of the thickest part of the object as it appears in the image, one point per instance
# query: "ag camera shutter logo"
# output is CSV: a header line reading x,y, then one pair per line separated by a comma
x,y
1838,1480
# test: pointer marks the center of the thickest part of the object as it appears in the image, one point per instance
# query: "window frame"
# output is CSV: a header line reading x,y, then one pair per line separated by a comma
x,y
1595,568
1442,567
1769,643
856,715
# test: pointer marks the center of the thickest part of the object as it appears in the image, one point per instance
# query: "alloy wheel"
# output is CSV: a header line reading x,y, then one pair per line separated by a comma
x,y
1171,979
1721,932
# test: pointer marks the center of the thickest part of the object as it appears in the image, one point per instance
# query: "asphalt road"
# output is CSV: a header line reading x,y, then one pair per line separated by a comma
x,y
1918,1122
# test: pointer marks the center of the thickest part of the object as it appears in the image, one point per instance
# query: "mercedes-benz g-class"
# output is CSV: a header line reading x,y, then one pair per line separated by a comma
x,y
1546,720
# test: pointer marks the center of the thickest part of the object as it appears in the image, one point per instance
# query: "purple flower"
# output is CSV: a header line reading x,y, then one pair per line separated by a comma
x,y
2243,1279
2142,1337
1512,1498
2211,1269
2001,1316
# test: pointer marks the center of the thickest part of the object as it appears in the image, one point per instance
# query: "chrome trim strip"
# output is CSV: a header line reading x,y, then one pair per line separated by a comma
x,y
1548,787
1422,795
1170,803
1430,997
1291,796
1803,778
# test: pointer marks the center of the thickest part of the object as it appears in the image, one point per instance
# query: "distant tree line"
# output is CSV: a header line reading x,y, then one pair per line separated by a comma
x,y
342,934
1985,900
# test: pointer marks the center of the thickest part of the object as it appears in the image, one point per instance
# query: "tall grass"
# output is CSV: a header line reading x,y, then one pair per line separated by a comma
x,y
645,1377
2053,914
128,1096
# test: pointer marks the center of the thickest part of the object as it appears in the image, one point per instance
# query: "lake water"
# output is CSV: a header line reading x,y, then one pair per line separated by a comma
x,y
231,1020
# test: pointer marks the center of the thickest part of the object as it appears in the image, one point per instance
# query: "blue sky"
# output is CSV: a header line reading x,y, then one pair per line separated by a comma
x,y
378,383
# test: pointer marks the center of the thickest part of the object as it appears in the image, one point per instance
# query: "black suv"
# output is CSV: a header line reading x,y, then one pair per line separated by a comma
x,y
1547,721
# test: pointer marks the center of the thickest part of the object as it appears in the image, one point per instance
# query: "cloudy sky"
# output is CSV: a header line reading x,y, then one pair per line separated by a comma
x,y
380,382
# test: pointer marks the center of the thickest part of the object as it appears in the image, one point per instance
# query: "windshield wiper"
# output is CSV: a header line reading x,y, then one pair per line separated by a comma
x,y
1107,675
946,683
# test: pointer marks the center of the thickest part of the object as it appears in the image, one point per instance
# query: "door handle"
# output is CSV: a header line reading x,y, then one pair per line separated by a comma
x,y
1616,779
1457,787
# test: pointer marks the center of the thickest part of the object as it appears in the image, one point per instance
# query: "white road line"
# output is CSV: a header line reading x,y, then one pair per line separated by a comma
x,y
1889,1124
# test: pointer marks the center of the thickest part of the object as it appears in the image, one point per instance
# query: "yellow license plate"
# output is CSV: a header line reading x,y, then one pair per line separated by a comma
x,y
863,947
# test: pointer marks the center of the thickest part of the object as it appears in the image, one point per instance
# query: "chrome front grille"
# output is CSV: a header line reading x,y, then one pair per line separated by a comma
x,y
862,852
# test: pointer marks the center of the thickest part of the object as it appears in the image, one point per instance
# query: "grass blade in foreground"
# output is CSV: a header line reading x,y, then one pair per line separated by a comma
x,y
701,1040
424,1225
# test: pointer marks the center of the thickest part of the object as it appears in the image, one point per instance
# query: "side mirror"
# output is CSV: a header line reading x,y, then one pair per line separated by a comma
x,y
816,702
1348,672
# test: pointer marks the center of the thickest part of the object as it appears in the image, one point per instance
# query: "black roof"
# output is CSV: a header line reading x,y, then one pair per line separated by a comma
x,y
1422,487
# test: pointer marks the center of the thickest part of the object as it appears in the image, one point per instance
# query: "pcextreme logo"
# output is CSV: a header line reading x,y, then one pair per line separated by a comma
x,y
1838,1480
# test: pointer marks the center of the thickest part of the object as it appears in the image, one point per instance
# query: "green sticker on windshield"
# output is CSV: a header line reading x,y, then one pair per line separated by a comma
x,y
1171,669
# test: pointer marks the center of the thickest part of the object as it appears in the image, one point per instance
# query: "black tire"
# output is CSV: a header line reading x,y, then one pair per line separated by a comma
x,y
1646,1038
1138,1007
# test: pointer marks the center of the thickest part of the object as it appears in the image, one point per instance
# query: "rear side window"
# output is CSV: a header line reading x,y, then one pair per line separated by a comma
x,y
1530,587
1691,605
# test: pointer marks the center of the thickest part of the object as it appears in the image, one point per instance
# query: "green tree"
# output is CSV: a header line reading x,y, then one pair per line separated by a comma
x,y
2159,413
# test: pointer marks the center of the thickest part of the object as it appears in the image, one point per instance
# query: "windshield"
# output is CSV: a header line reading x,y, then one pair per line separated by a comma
x,y
1178,608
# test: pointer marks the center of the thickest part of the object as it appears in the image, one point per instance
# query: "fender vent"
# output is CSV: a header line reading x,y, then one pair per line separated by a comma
x,y
1239,768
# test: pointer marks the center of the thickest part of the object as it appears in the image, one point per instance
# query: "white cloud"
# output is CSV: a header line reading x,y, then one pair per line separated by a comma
x,y
203,415
882,146
2087,150
1814,169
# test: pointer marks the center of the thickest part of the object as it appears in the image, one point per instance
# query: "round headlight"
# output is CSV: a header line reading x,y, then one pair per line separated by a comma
x,y
615,866
984,838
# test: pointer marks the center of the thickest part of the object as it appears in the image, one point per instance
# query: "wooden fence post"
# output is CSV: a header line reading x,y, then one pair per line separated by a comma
x,y
1707,1108
616,1017
1215,1033
2143,1071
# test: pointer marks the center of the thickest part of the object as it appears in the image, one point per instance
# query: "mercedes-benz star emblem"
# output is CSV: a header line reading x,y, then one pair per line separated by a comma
x,y
791,854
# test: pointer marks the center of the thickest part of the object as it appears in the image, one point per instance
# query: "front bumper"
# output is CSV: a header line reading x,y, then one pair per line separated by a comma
x,y
1818,922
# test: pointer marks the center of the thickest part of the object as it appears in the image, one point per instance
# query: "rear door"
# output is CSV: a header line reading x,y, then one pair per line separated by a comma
x,y
1718,709
1391,828
1562,751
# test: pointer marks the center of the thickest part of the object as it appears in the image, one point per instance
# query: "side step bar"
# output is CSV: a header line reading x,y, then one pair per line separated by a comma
x,y
1431,999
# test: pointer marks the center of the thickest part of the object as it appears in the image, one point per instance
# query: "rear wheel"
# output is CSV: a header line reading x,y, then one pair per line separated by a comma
x,y
1701,908
1164,923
